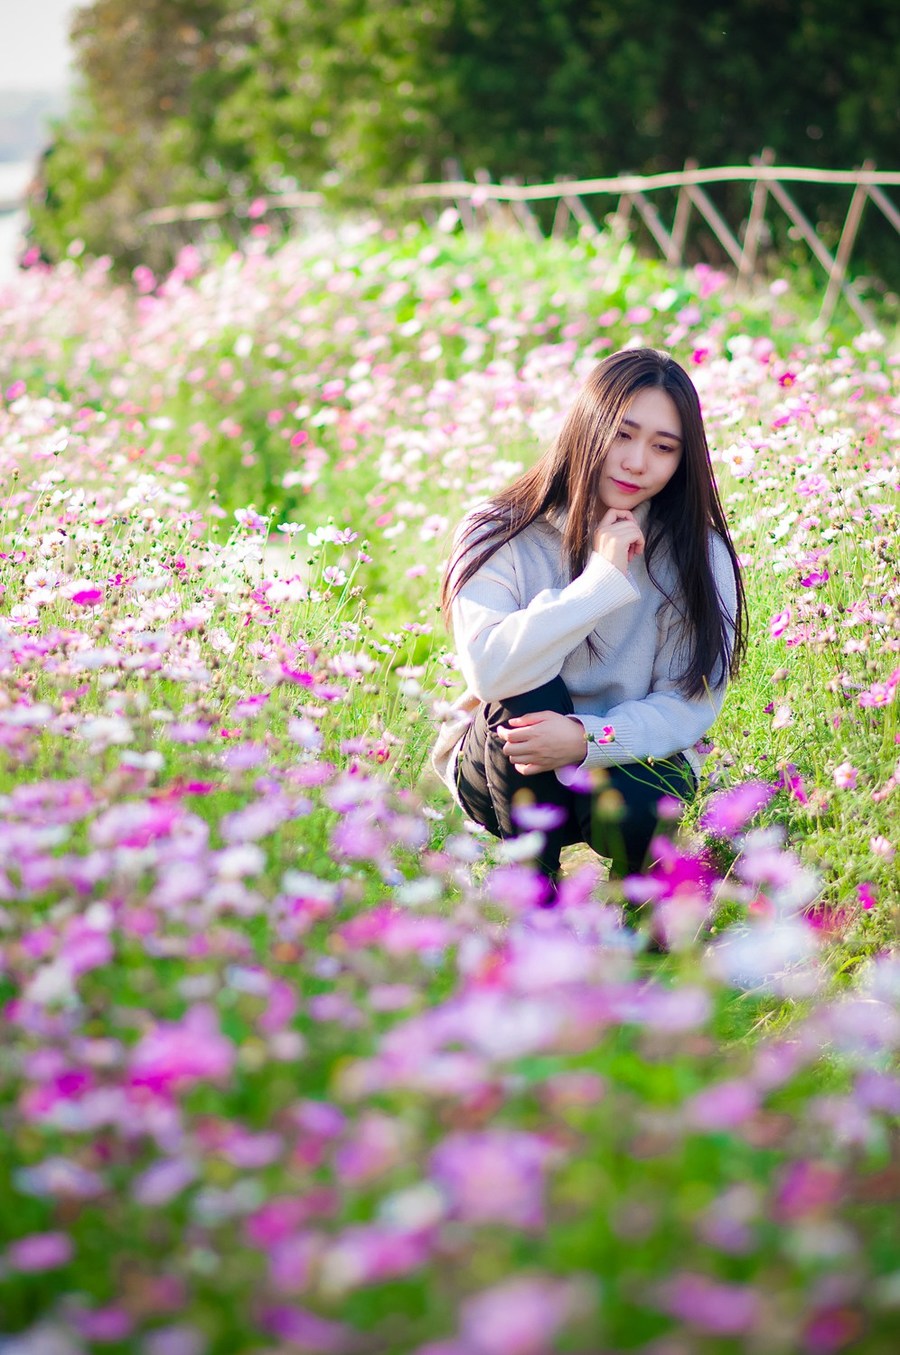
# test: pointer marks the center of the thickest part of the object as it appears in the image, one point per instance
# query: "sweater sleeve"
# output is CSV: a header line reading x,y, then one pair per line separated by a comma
x,y
505,648
665,721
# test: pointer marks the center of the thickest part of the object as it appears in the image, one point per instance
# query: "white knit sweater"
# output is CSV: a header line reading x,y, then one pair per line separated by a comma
x,y
517,624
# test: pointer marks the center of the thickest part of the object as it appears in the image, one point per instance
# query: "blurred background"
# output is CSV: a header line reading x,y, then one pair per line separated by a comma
x,y
120,109
35,76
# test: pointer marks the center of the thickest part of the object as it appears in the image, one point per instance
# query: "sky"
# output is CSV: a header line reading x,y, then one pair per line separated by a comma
x,y
34,44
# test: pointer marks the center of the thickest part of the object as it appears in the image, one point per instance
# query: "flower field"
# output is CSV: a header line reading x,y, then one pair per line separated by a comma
x,y
290,1060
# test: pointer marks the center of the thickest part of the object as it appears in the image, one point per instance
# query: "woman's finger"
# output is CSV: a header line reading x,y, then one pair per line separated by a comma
x,y
613,515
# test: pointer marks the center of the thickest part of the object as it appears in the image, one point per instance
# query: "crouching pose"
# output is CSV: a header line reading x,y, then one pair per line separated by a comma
x,y
598,612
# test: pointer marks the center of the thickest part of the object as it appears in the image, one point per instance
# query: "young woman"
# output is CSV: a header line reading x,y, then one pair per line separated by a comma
x,y
598,612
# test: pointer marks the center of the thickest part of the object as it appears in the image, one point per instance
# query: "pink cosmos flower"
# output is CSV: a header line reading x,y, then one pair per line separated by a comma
x,y
882,847
845,776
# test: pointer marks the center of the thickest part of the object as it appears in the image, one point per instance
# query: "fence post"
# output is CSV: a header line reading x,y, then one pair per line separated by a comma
x,y
582,216
560,216
621,218
453,173
804,226
883,202
492,208
844,249
680,224
747,266
522,212
653,222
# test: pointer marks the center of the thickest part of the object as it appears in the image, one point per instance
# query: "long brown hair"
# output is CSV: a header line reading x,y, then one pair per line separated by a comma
x,y
567,477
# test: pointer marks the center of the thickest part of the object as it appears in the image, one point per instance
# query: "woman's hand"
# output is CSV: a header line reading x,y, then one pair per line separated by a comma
x,y
618,538
543,741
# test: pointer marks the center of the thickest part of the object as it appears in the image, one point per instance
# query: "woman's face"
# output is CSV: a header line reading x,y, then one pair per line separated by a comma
x,y
644,453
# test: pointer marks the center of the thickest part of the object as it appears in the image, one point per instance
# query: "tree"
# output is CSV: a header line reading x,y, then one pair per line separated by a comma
x,y
206,99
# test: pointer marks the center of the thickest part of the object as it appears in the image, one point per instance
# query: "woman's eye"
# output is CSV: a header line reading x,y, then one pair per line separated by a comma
x,y
622,434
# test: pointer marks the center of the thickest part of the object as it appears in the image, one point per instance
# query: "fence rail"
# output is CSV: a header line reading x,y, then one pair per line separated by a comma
x,y
767,180
483,200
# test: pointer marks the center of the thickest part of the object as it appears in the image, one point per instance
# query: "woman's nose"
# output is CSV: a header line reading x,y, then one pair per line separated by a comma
x,y
635,453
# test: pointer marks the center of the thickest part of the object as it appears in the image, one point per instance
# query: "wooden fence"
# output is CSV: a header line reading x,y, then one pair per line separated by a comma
x,y
631,194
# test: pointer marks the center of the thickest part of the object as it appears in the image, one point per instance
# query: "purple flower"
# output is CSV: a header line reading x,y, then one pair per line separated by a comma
x,y
543,817
103,1325
714,1307
177,1339
729,810
518,1317
162,1181
575,777
291,1262
38,1252
312,1334
496,1176
723,1106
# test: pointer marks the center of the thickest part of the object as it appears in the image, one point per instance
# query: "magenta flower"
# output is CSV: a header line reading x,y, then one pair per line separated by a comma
x,y
816,578
806,1187
792,781
865,892
177,1054
831,1330
88,597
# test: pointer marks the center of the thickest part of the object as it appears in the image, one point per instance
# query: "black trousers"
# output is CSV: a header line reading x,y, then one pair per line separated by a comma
x,y
618,825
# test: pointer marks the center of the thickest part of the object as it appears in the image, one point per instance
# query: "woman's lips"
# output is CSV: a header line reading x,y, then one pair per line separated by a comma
x,y
625,487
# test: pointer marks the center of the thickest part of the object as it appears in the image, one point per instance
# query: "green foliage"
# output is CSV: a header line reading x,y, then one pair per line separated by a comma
x,y
215,99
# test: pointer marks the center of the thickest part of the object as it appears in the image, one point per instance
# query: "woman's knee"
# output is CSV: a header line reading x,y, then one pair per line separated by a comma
x,y
552,695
